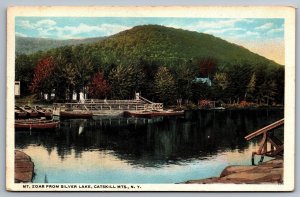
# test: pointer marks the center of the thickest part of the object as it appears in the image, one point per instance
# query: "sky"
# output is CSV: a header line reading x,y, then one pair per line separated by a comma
x,y
263,36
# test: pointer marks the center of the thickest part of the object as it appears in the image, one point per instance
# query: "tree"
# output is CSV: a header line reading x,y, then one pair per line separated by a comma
x,y
165,87
251,86
200,91
99,88
239,76
126,80
83,68
184,78
24,72
208,67
64,77
42,81
220,85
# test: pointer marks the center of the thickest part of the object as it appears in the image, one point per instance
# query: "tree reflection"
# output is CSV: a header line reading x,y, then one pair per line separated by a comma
x,y
154,142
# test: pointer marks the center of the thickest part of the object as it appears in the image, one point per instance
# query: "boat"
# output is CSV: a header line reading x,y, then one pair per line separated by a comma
x,y
19,113
36,124
150,114
30,111
43,112
76,114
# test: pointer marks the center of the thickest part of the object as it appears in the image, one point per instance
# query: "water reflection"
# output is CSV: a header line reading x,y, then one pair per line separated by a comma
x,y
152,143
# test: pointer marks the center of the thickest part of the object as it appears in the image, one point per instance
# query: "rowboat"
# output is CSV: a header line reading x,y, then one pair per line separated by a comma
x,y
150,114
19,113
76,114
30,111
36,124
43,112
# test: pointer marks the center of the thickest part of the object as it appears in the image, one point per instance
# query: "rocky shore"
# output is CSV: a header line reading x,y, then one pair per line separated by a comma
x,y
23,167
267,172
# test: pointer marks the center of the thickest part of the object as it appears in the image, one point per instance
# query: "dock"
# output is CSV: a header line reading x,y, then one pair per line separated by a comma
x,y
108,107
24,167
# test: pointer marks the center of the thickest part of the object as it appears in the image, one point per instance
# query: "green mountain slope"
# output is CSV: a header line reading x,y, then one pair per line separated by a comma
x,y
27,45
170,45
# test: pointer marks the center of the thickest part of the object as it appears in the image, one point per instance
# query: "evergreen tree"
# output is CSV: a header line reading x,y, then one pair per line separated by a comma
x,y
251,86
125,81
165,86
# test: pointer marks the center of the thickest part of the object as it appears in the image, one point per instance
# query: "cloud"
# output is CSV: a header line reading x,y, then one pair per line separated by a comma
x,y
39,24
276,30
251,33
47,28
21,34
26,24
221,31
45,23
92,30
265,26
228,23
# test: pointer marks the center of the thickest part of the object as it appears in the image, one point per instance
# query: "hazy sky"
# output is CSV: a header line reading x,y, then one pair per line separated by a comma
x,y
263,36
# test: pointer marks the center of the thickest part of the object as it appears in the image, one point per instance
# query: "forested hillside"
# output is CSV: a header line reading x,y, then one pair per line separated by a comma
x,y
161,62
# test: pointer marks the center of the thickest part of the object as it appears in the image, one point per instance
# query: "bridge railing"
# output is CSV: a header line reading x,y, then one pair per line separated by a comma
x,y
265,129
277,146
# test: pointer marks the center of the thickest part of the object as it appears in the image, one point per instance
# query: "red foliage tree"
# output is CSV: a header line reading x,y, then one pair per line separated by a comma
x,y
42,73
99,88
207,67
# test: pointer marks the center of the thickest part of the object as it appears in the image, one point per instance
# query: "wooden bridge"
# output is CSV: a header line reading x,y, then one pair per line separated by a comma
x,y
276,148
98,106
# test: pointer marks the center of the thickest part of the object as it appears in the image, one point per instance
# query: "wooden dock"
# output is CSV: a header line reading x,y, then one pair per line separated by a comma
x,y
103,106
23,167
277,146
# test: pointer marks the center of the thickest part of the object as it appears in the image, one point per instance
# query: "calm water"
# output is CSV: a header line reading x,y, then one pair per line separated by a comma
x,y
130,150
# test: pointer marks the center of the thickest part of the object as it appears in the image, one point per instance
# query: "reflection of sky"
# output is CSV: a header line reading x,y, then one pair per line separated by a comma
x,y
263,36
104,167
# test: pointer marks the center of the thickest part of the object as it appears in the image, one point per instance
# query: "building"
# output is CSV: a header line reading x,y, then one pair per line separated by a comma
x,y
17,89
205,80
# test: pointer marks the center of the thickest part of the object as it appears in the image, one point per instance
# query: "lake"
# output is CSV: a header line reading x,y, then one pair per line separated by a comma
x,y
198,145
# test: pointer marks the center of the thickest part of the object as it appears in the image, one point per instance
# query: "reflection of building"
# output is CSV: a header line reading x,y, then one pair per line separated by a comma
x,y
17,88
205,80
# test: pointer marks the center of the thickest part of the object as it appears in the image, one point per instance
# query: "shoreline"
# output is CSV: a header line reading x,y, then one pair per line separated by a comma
x,y
24,167
267,172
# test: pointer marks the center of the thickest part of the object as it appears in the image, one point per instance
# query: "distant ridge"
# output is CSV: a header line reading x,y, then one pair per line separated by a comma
x,y
29,45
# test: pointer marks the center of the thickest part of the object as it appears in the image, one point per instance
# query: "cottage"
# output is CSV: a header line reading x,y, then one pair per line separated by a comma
x,y
205,80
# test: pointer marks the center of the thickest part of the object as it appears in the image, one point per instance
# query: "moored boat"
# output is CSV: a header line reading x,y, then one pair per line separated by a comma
x,y
76,114
36,124
19,113
43,112
30,111
150,114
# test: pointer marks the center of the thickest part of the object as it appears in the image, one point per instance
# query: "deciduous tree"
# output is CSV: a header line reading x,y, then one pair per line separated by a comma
x,y
42,81
99,87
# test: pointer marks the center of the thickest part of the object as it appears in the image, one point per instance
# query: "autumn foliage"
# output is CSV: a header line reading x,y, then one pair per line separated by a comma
x,y
42,73
99,88
207,67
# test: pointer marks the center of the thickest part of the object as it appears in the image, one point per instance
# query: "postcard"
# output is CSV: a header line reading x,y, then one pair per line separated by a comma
x,y
167,98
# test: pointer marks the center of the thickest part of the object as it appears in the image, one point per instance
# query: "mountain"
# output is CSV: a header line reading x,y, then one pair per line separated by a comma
x,y
134,59
169,45
28,45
